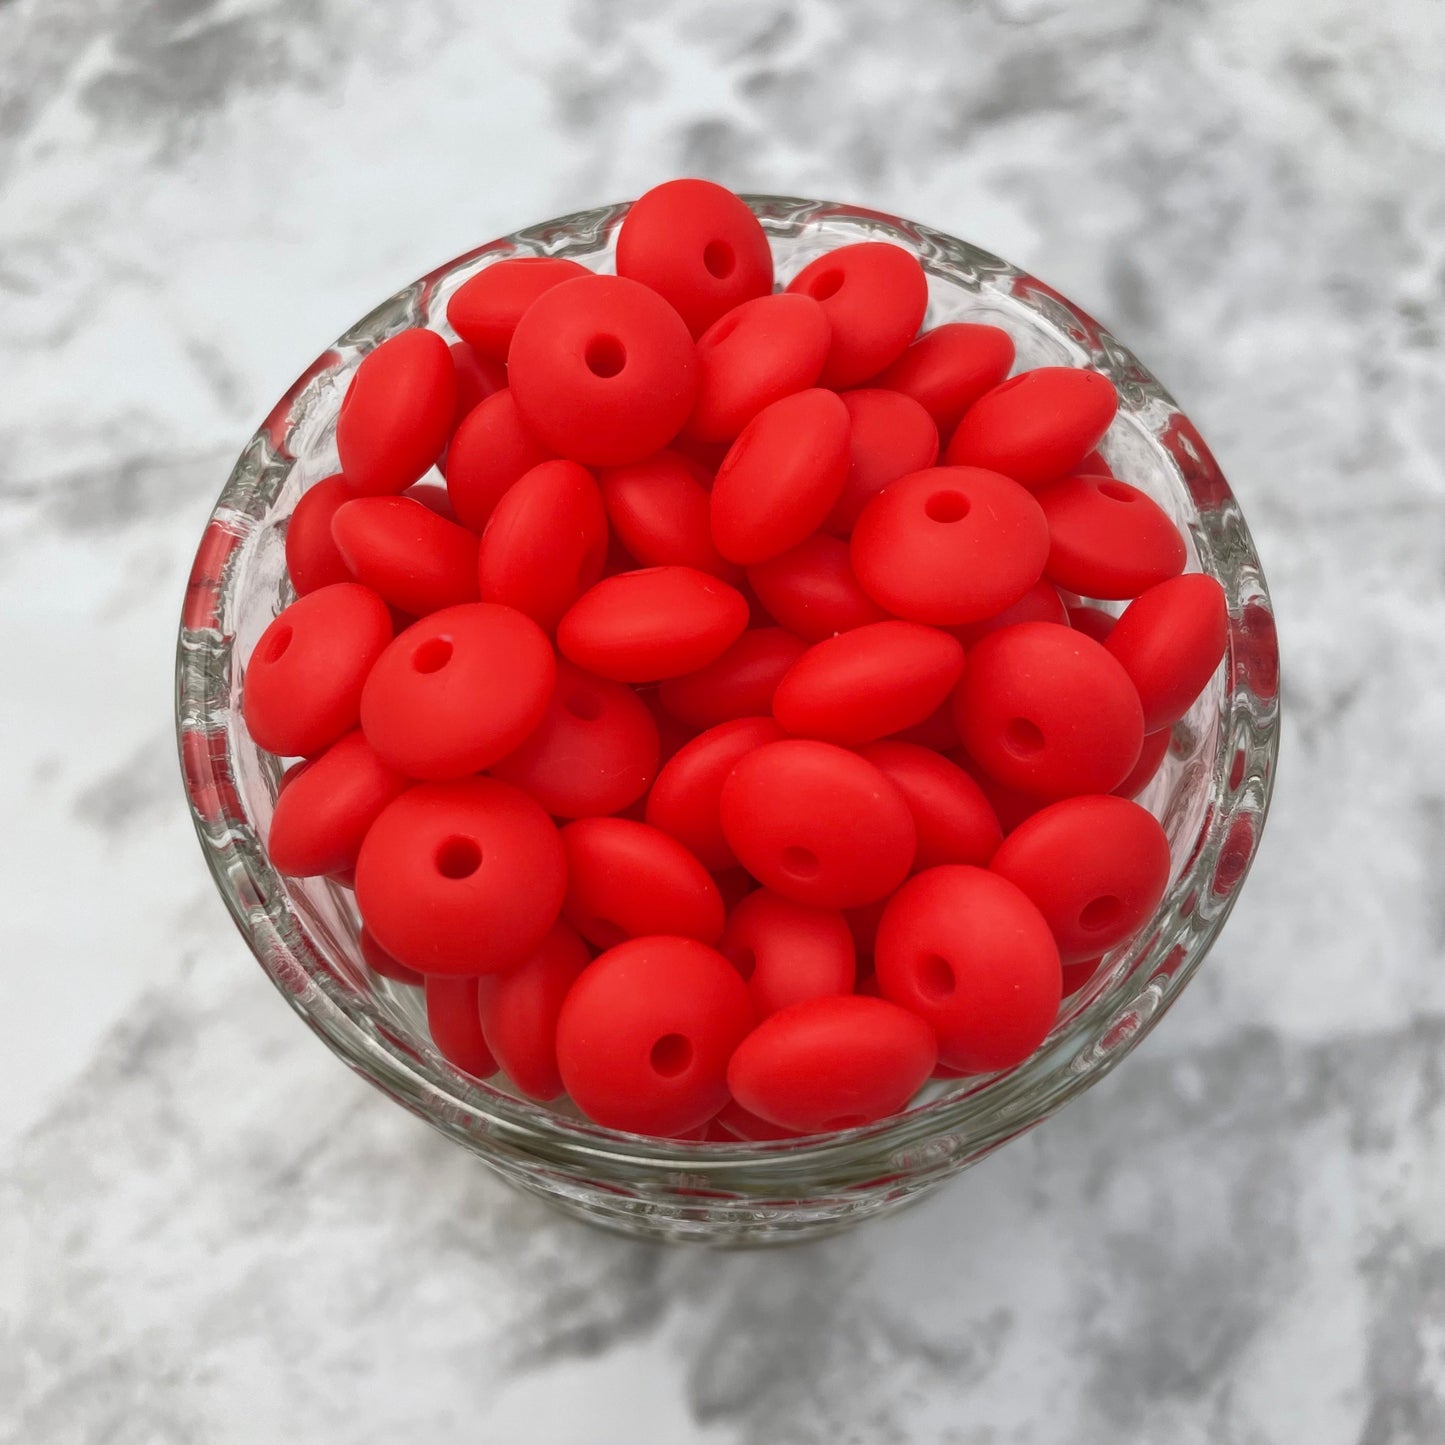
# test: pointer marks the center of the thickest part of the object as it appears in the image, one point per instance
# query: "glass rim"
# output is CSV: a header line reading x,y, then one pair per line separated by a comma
x,y
1149,974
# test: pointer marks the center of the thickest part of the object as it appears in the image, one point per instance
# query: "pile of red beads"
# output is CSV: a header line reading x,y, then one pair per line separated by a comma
x,y
728,744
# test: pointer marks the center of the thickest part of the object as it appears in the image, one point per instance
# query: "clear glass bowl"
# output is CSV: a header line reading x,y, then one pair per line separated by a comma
x,y
1211,795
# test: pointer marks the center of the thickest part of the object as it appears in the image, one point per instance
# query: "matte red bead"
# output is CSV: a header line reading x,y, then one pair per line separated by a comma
x,y
379,961
406,553
458,691
788,951
832,1063
312,560
652,624
874,295
546,542
1092,622
949,367
1036,427
756,354
478,377
891,436
817,823
740,683
1151,758
869,682
698,246
491,450
966,951
603,370
1108,539
456,1027
736,1123
485,309
628,880
327,805
685,799
594,752
950,545
433,496
1076,975
953,817
646,1032
781,477
659,508
1170,640
1041,603
302,685
520,1008
810,589
397,413
1096,868
1047,710
937,731
461,878
1010,805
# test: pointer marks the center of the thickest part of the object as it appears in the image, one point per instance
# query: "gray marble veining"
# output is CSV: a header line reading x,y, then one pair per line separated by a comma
x,y
210,1232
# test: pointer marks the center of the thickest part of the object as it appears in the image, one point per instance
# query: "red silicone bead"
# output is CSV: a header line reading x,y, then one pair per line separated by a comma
x,y
1170,640
832,1063
490,451
948,368
546,542
740,683
519,1011
603,370
937,731
397,413
379,961
1092,622
762,351
1036,427
965,950
685,799
1095,867
1041,603
811,590
1010,805
646,1032
781,477
484,310
891,435
1076,975
869,682
311,556
456,1026
817,823
651,624
953,817
1151,759
698,246
736,1123
461,878
628,880
302,686
433,496
788,951
594,752
478,377
406,553
1048,711
326,807
658,507
950,545
874,295
458,691
1108,539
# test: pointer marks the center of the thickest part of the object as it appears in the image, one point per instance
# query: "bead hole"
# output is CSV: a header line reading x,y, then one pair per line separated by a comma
x,y
826,283
277,643
583,704
800,862
936,977
432,655
1101,912
605,356
671,1055
1117,491
1023,738
946,507
717,257
458,858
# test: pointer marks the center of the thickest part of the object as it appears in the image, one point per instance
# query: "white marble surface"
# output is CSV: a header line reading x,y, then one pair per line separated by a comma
x,y
211,1232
